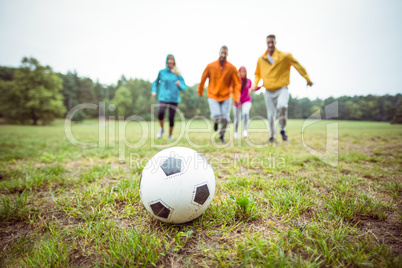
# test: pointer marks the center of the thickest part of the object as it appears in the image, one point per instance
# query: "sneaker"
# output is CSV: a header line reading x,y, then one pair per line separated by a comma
x,y
235,135
245,134
272,140
216,126
284,136
222,139
170,138
160,133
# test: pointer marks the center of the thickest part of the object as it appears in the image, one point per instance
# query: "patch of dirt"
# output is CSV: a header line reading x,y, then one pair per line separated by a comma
x,y
79,260
345,171
388,232
13,229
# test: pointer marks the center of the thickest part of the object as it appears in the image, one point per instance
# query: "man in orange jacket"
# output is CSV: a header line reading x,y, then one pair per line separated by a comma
x,y
274,69
222,78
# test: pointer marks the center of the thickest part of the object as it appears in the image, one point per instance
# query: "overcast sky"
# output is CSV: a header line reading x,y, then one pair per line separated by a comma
x,y
347,47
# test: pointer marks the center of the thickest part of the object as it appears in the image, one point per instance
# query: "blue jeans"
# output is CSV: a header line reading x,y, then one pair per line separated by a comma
x,y
220,111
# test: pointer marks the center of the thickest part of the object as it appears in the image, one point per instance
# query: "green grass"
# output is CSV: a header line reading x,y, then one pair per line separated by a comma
x,y
274,206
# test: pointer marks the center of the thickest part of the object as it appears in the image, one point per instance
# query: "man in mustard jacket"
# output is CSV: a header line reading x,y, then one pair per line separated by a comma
x,y
274,69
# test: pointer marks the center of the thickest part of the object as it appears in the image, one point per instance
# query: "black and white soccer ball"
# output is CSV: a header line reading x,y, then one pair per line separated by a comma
x,y
177,185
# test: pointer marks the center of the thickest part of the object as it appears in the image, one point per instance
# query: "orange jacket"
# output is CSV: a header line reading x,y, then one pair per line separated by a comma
x,y
221,82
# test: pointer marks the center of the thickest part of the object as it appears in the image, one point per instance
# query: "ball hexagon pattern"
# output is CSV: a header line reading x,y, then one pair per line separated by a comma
x,y
177,185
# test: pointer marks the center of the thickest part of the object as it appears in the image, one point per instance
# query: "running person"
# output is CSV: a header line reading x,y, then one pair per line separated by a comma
x,y
222,78
167,86
274,69
244,106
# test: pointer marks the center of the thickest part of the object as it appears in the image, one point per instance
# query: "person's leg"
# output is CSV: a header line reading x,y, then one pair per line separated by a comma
x,y
283,100
245,108
225,115
172,112
270,102
215,110
161,115
236,114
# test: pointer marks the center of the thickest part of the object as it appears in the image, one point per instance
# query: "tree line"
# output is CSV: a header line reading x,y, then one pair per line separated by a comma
x,y
33,93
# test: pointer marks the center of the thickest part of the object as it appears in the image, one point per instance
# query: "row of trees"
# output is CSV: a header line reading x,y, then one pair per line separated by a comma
x,y
33,93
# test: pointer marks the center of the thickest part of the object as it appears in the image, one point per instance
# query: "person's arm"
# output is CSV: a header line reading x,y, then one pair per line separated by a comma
x,y
181,84
204,77
249,85
236,86
300,69
155,85
257,76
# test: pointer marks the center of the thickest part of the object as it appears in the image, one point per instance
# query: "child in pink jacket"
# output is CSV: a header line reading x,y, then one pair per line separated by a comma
x,y
244,105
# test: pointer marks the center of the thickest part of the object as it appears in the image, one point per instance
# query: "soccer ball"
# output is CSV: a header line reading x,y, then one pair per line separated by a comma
x,y
177,185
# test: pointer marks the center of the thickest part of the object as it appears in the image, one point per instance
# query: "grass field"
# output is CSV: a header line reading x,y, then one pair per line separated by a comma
x,y
274,206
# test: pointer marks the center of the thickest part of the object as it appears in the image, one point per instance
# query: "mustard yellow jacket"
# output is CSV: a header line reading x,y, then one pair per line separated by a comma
x,y
277,75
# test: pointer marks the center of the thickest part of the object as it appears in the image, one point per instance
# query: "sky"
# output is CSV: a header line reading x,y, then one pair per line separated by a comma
x,y
347,47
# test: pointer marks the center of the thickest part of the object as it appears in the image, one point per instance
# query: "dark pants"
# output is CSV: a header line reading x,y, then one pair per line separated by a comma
x,y
172,110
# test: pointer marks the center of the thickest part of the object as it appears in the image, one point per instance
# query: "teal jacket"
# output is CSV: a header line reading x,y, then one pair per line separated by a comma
x,y
166,88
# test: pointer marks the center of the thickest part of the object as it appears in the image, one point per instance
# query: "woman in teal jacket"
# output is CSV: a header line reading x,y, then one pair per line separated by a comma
x,y
167,86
